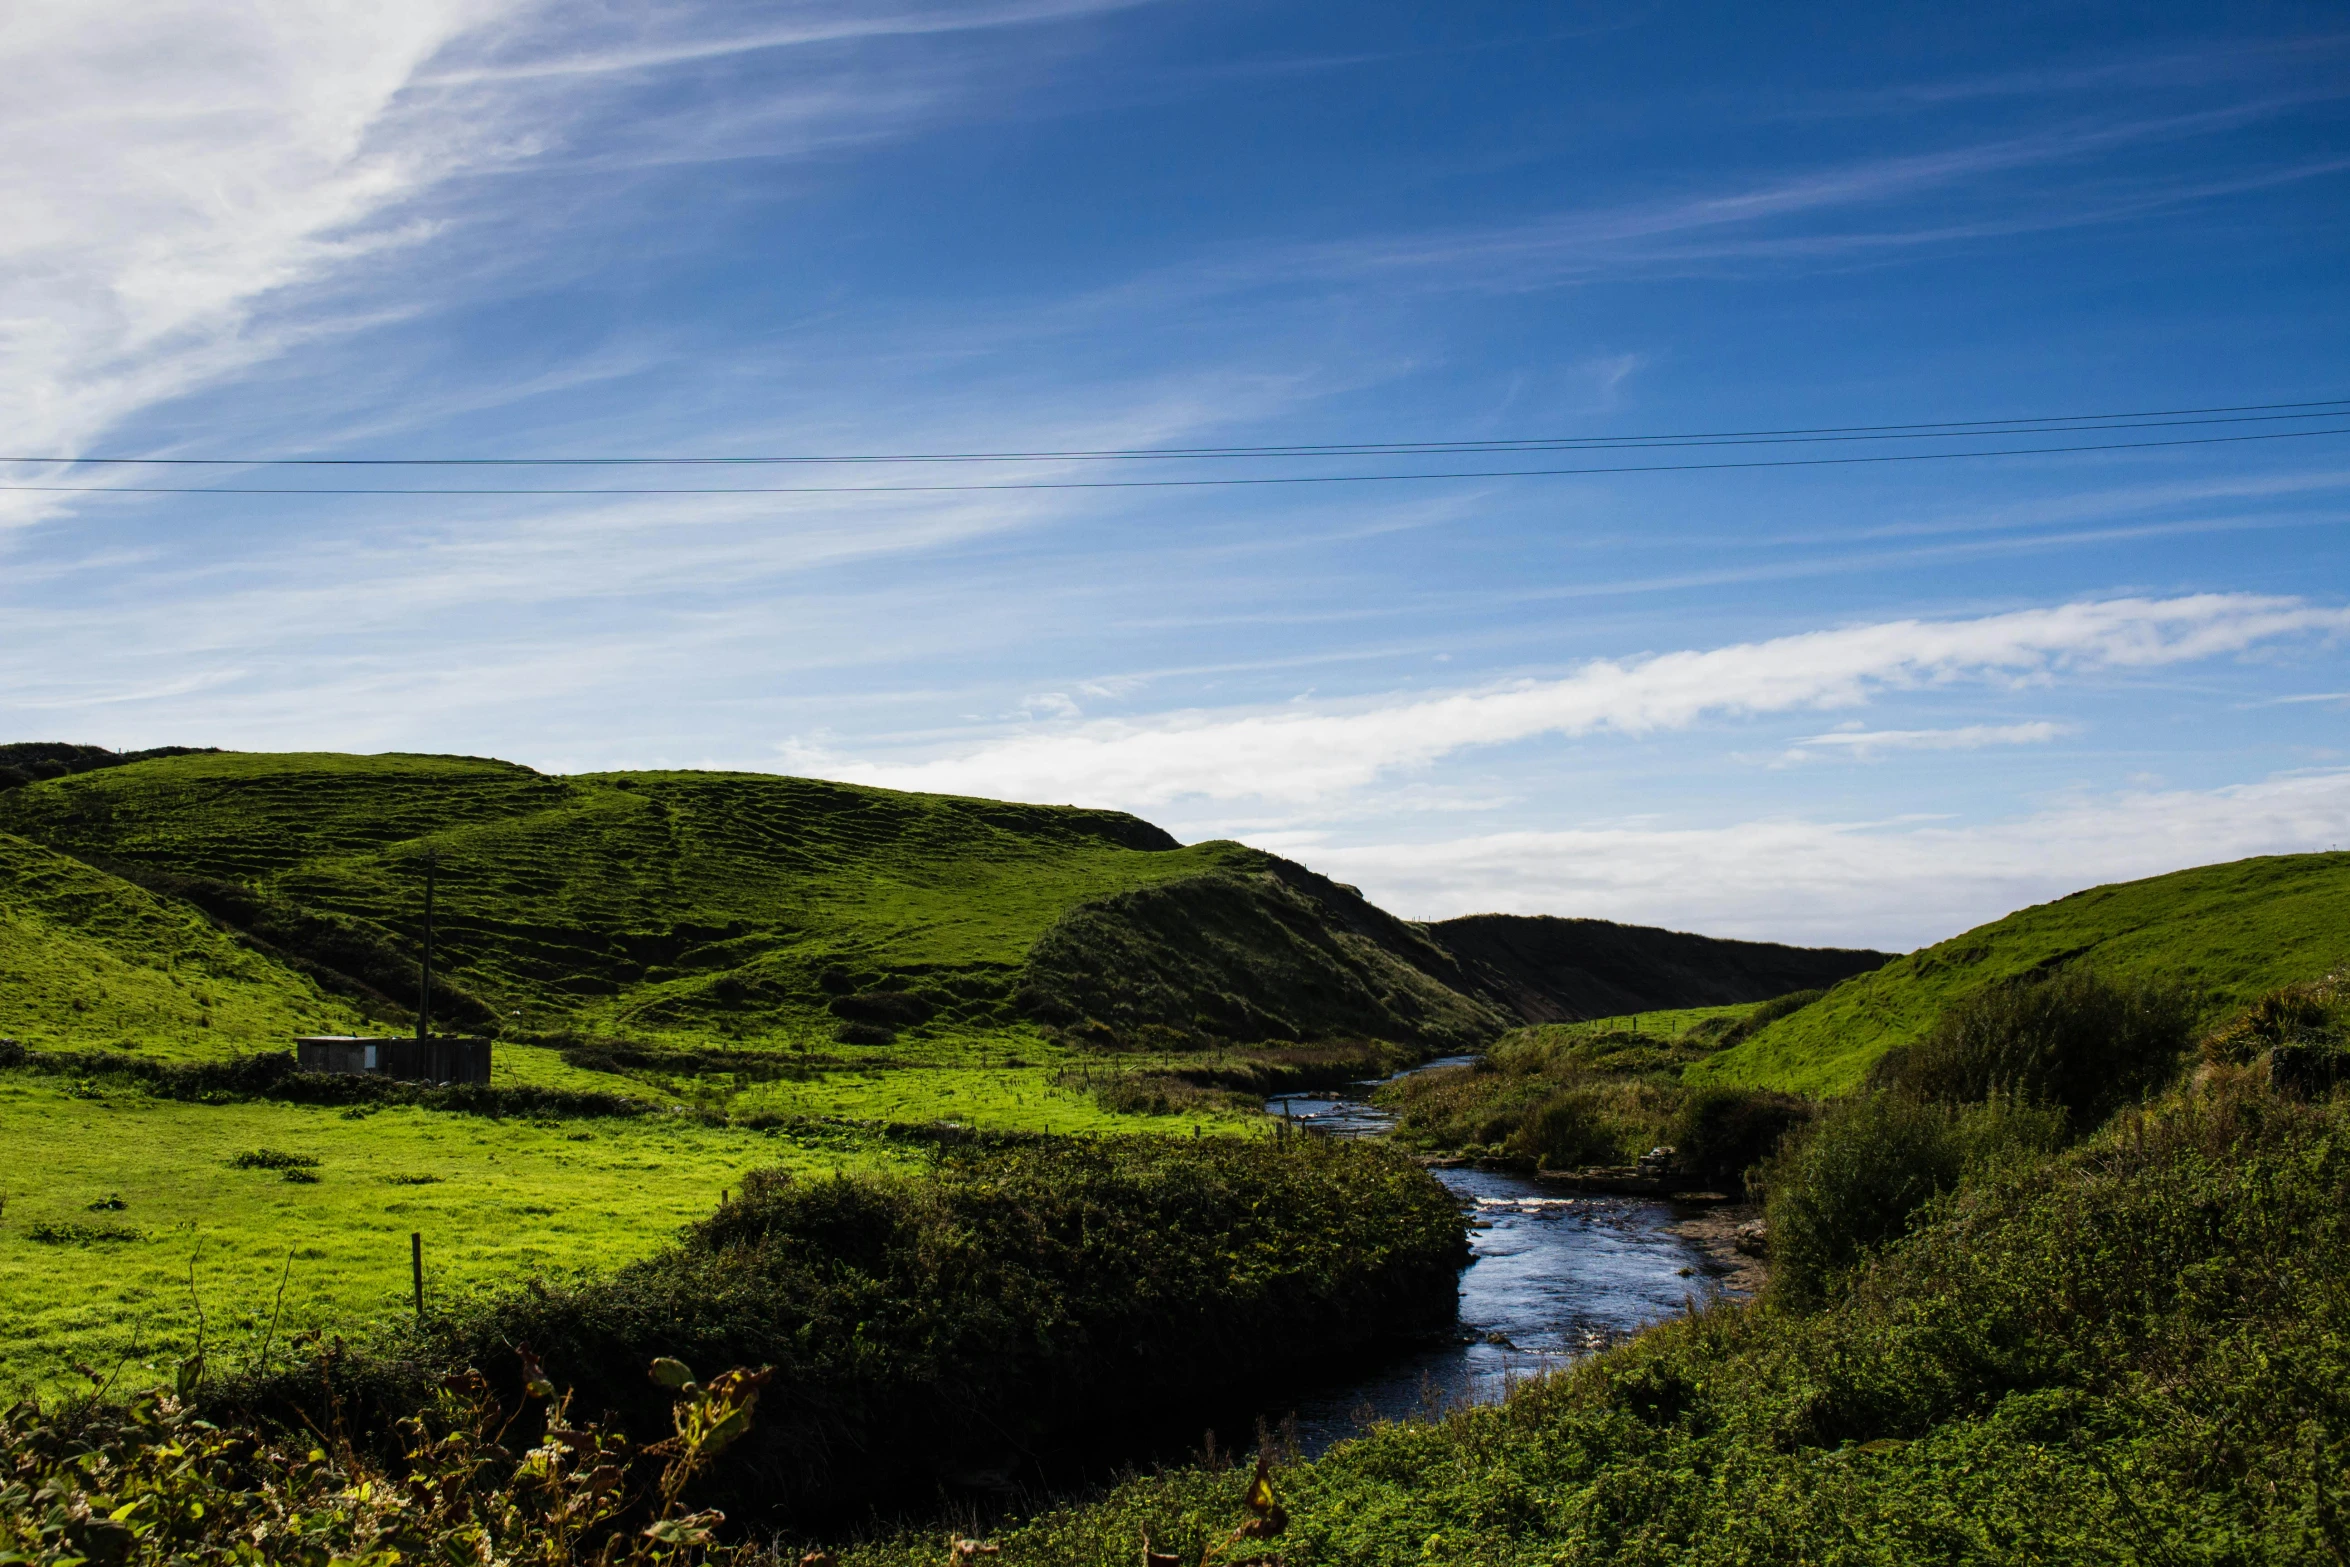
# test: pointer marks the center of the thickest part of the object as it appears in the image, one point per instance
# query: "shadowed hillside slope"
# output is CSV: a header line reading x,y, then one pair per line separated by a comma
x,y
1546,970
87,957
2228,933
1267,950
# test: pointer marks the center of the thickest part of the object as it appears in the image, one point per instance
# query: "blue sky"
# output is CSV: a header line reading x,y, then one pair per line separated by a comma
x,y
1869,703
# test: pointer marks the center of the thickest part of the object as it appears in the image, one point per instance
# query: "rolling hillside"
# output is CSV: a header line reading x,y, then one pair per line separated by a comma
x,y
88,958
1272,952
692,902
762,909
2228,932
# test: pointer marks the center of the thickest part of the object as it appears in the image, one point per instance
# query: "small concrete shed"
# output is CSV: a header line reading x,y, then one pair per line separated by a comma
x,y
435,1060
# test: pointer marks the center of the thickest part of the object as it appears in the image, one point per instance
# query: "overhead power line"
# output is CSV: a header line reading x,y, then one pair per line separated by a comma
x,y
1166,484
2019,425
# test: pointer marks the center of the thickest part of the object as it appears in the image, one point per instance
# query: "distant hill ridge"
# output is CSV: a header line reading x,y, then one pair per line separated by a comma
x,y
1544,969
28,761
758,907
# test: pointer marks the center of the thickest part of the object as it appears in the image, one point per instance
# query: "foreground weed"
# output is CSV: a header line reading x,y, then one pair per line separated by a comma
x,y
273,1159
152,1483
72,1234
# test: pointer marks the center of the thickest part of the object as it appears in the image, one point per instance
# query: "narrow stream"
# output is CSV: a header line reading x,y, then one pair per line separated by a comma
x,y
1551,1277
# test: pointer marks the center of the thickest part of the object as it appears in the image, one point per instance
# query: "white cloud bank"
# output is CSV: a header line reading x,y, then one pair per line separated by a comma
x,y
1893,885
1306,754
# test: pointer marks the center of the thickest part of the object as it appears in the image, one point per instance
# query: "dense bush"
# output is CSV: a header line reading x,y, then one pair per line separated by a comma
x,y
1015,1299
1460,1108
1873,1162
1719,1133
2297,1015
2072,1039
1570,1128
1519,1110
1561,1095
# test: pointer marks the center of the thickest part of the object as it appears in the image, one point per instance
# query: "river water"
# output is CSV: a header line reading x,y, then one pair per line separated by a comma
x,y
1551,1277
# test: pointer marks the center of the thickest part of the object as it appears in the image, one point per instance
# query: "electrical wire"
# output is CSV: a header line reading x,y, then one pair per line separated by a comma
x,y
2038,424
1159,484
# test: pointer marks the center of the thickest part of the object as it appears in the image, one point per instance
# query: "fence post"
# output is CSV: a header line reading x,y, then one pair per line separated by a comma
x,y
416,1270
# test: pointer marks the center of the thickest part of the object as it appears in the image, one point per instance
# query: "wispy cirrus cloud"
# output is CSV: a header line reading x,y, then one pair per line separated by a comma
x,y
1311,752
1761,219
193,193
234,149
1863,743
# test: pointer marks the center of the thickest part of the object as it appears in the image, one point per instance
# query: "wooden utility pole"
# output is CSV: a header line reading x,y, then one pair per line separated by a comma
x,y
424,990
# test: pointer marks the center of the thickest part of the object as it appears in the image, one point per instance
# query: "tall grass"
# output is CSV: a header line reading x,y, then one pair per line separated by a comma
x,y
1870,1165
2073,1039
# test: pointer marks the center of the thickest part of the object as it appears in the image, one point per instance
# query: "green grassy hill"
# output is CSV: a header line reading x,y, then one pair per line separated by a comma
x,y
700,908
697,903
86,958
2228,932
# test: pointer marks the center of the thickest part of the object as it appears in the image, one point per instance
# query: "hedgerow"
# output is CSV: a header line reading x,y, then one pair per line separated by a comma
x,y
1019,1299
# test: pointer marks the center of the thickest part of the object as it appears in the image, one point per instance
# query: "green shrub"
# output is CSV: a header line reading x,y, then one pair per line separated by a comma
x,y
1568,1129
150,1482
272,1159
2071,1039
1457,1107
1592,1120
1870,1164
2296,1015
70,1233
1720,1133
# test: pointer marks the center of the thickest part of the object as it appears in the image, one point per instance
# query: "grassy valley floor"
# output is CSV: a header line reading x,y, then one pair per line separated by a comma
x,y
496,1201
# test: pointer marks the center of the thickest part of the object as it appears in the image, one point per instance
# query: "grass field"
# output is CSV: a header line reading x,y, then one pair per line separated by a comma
x,y
1667,1026
509,1198
496,1202
2226,932
744,918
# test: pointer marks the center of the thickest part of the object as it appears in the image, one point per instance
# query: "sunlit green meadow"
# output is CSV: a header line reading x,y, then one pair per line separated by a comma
x,y
496,1202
